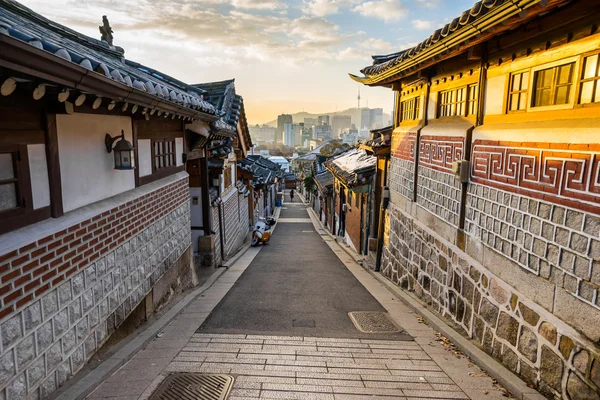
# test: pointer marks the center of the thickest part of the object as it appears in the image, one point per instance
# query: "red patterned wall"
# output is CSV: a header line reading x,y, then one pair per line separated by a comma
x,y
567,174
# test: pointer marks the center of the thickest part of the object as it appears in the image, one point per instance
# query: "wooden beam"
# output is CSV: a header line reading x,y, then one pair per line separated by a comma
x,y
134,134
53,161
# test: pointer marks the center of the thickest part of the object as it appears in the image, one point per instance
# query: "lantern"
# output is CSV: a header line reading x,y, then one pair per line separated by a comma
x,y
124,151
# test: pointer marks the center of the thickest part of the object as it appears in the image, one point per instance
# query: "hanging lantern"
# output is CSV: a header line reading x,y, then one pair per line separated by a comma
x,y
124,151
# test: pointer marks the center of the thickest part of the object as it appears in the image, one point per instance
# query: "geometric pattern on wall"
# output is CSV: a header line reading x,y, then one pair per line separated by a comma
x,y
438,152
403,145
567,174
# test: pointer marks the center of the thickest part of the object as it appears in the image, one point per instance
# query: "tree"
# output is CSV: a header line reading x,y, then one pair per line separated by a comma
x,y
309,183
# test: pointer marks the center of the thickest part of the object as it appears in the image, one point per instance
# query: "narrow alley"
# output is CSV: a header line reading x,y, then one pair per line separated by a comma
x,y
278,322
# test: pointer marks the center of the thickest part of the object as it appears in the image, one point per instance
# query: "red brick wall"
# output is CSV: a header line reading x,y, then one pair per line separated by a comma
x,y
34,268
353,218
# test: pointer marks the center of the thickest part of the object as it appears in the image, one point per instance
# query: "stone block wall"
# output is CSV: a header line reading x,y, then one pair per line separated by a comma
x,y
401,177
528,339
65,293
216,226
236,225
522,279
437,189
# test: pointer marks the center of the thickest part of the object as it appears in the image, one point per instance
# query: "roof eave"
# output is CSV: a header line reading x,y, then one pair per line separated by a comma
x,y
24,58
489,20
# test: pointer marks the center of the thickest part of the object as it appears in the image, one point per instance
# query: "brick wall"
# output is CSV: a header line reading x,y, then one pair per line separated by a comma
x,y
64,294
523,278
353,221
402,164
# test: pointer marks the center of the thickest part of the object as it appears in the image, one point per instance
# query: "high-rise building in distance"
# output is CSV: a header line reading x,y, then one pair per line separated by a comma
x,y
371,118
323,120
292,134
339,123
281,121
262,133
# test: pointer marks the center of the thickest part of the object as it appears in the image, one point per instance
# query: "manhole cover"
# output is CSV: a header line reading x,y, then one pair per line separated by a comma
x,y
187,386
373,322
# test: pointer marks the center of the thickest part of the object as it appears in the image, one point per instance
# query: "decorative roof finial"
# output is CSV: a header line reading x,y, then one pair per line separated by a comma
x,y
106,31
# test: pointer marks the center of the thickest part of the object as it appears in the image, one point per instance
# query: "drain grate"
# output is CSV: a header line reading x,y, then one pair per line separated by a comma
x,y
373,322
188,386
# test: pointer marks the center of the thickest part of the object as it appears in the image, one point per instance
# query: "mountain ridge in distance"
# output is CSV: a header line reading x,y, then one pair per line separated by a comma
x,y
353,112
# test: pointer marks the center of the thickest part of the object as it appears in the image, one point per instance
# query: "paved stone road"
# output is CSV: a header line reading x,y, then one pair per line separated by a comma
x,y
331,360
317,368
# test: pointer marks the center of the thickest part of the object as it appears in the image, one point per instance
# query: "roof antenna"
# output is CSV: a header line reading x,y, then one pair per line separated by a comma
x,y
359,98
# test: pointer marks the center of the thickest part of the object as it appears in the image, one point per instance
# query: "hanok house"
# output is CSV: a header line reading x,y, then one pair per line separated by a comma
x,y
94,198
220,215
353,173
494,218
264,177
378,146
323,205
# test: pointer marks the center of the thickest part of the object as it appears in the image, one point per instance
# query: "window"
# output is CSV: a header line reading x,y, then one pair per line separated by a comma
x,y
517,91
588,89
458,102
10,196
552,86
409,109
163,154
15,186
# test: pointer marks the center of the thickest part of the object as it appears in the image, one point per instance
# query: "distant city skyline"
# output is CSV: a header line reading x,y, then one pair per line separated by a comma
x,y
286,56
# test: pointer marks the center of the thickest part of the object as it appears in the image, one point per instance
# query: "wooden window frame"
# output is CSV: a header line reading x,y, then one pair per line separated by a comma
x,y
410,108
25,214
580,80
509,92
576,61
21,180
164,156
451,100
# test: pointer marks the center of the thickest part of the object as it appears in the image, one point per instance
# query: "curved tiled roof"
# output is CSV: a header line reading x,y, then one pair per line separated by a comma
x,y
227,102
354,166
95,55
485,19
384,62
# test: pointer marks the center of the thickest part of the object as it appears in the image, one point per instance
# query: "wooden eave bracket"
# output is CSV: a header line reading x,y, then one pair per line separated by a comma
x,y
24,58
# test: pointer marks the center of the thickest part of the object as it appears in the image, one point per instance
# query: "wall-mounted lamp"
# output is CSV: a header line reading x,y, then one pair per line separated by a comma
x,y
124,157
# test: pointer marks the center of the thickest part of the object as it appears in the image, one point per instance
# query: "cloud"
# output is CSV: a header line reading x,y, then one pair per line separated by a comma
x,y
363,50
272,5
322,8
387,10
421,24
428,3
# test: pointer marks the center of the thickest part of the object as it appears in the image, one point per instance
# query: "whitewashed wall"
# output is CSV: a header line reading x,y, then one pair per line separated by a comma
x,y
86,169
38,170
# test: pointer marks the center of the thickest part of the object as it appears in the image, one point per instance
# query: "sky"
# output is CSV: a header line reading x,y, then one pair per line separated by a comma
x,y
286,56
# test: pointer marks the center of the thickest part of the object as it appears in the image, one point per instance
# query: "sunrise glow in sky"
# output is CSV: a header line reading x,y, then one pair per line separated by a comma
x,y
286,56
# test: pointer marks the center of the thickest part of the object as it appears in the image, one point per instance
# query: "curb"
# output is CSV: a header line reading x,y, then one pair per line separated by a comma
x,y
510,381
91,379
